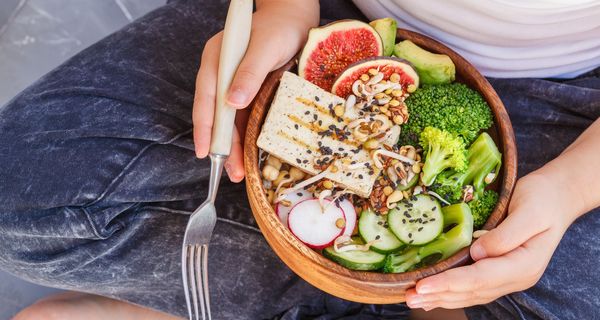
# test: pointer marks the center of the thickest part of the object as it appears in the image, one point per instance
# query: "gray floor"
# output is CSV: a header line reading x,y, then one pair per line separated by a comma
x,y
35,37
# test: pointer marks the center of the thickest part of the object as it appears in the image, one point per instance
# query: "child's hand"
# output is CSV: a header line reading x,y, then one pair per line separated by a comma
x,y
511,257
279,29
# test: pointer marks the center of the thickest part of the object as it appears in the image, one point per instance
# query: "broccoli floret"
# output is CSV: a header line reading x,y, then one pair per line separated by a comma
x,y
452,107
484,162
449,190
442,151
482,207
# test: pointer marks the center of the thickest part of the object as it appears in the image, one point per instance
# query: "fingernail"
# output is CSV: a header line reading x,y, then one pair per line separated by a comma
x,y
477,251
238,98
415,301
425,289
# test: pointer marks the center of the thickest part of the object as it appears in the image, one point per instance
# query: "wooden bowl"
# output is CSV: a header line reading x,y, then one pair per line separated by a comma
x,y
363,286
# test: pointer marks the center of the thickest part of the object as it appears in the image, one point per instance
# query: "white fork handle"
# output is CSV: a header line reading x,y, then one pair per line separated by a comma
x,y
236,37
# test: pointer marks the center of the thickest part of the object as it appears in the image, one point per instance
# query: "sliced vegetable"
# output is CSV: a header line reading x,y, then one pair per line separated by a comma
x,y
432,68
350,215
317,229
411,183
284,207
373,227
387,28
416,221
356,259
457,217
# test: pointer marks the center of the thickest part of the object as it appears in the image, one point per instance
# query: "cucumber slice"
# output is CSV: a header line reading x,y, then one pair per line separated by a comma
x,y
356,260
374,227
410,183
418,220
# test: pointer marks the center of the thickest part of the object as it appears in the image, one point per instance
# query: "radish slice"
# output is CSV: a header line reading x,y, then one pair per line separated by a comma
x,y
294,198
314,227
350,214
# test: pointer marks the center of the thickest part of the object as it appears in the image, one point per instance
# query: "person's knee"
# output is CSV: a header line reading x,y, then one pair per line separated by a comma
x,y
44,310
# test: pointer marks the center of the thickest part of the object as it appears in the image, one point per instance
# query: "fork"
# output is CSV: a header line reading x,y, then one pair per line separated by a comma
x,y
194,252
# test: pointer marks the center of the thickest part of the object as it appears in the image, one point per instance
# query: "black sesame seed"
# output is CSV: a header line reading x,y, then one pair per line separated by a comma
x,y
360,176
377,237
307,112
420,229
315,116
316,98
410,235
299,194
298,160
296,126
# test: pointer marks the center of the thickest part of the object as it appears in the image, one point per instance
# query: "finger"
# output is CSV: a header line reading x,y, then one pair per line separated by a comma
x,y
241,122
515,230
454,304
235,162
204,96
531,259
263,56
415,300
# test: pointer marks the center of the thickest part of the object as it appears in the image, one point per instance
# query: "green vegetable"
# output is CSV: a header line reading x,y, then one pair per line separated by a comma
x,y
432,68
356,259
373,227
483,159
457,216
482,207
417,220
387,28
442,151
452,107
413,182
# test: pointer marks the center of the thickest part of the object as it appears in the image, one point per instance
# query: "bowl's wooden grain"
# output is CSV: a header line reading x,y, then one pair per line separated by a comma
x,y
370,287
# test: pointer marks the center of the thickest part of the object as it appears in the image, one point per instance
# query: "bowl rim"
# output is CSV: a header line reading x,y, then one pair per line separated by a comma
x,y
321,268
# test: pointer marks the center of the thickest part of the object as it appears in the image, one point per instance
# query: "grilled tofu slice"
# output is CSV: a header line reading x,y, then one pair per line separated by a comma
x,y
302,130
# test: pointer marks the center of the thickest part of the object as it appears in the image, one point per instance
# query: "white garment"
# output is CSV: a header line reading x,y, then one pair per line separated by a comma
x,y
506,38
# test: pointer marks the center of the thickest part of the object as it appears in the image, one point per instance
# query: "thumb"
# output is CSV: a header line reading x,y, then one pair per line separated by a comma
x,y
515,230
260,59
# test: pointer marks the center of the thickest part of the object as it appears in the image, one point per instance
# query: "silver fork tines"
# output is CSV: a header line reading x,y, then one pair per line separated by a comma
x,y
195,280
194,252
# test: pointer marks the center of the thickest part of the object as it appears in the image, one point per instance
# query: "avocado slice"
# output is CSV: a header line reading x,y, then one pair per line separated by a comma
x,y
432,68
386,27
